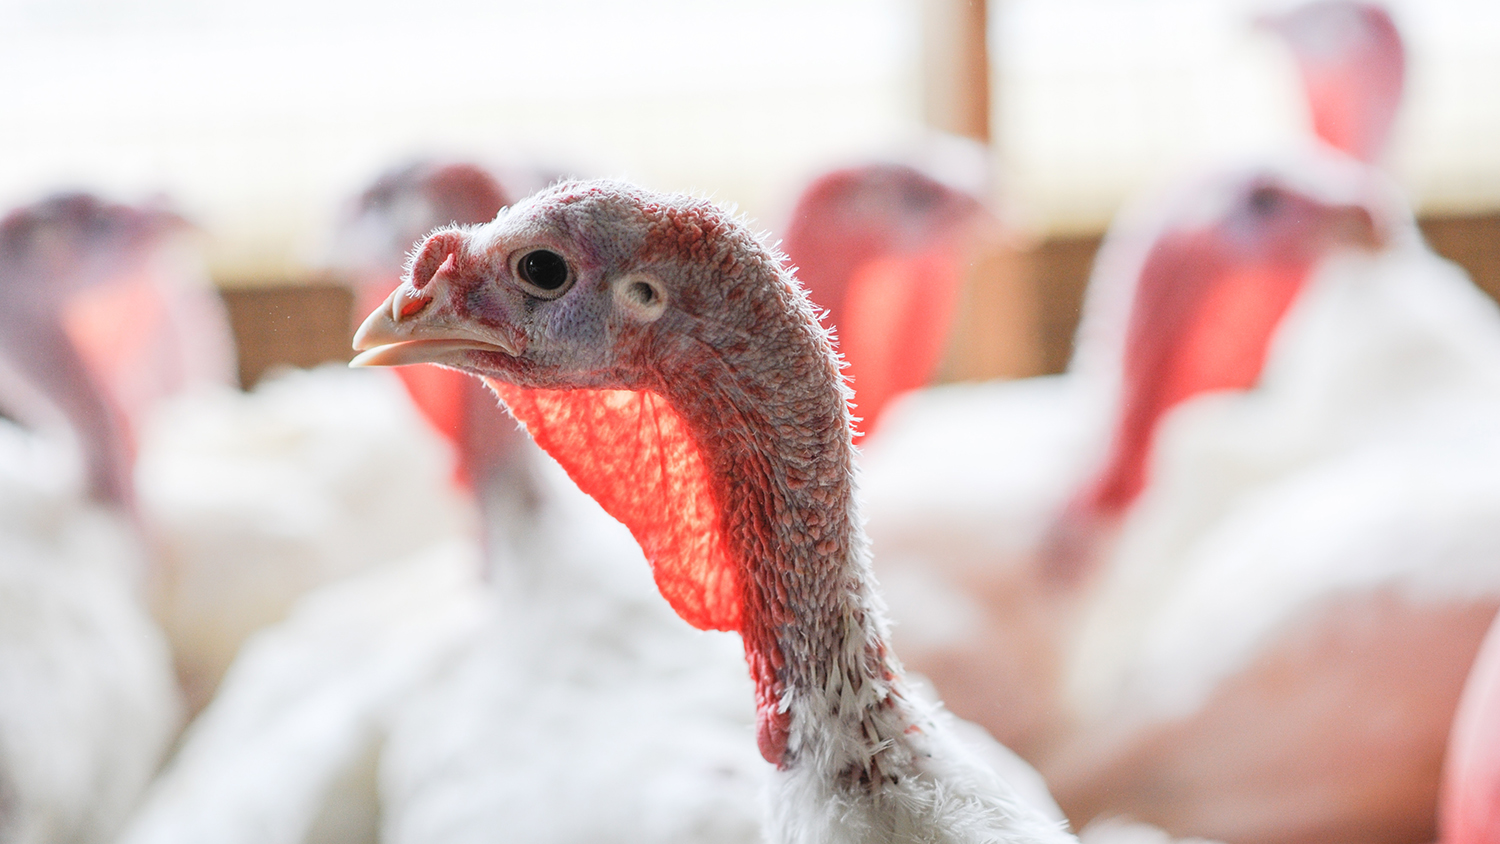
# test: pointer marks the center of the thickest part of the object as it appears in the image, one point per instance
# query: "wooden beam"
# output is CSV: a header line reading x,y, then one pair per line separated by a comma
x,y
955,68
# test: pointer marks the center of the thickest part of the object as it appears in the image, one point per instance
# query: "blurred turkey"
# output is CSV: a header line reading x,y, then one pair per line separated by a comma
x,y
1308,558
249,499
885,249
397,211
111,296
87,699
1247,582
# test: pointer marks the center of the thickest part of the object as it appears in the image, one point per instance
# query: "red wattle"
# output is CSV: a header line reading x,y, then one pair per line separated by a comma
x,y
1219,344
439,394
897,314
635,455
772,726
121,331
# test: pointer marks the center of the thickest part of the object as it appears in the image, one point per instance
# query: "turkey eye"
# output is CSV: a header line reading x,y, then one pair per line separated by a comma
x,y
1265,200
543,268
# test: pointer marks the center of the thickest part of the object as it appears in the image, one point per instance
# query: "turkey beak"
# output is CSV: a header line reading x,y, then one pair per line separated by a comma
x,y
418,324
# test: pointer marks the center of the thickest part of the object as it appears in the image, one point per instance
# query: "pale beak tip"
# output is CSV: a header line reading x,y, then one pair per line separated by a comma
x,y
378,324
366,358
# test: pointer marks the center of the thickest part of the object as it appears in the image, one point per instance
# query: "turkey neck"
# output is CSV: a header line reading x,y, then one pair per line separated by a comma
x,y
768,412
500,462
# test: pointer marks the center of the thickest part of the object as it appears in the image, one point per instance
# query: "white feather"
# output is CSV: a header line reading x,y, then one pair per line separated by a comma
x,y
88,703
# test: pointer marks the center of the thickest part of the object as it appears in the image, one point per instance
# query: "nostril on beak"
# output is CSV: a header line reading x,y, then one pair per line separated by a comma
x,y
407,301
437,256
447,266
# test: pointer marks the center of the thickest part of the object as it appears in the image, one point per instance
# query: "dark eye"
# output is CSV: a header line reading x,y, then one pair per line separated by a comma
x,y
543,268
1265,201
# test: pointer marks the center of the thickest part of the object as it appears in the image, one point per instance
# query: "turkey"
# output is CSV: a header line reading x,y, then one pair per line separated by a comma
x,y
662,354
245,500
1470,809
88,704
123,313
255,498
251,498
1306,558
616,717
558,701
985,566
884,248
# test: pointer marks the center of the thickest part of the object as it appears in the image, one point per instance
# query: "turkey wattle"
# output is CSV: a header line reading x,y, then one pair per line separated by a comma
x,y
884,248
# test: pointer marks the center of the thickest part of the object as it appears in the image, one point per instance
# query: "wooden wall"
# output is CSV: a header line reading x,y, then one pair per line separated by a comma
x,y
289,325
956,68
1472,241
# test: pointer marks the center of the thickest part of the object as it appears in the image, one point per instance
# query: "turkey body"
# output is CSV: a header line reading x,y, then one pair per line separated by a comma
x,y
288,749
256,498
583,711
1306,578
88,703
964,485
422,702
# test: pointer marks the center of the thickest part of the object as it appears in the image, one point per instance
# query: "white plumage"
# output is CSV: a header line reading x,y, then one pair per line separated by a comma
x,y
584,711
1339,507
288,748
569,703
1357,464
255,498
88,703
